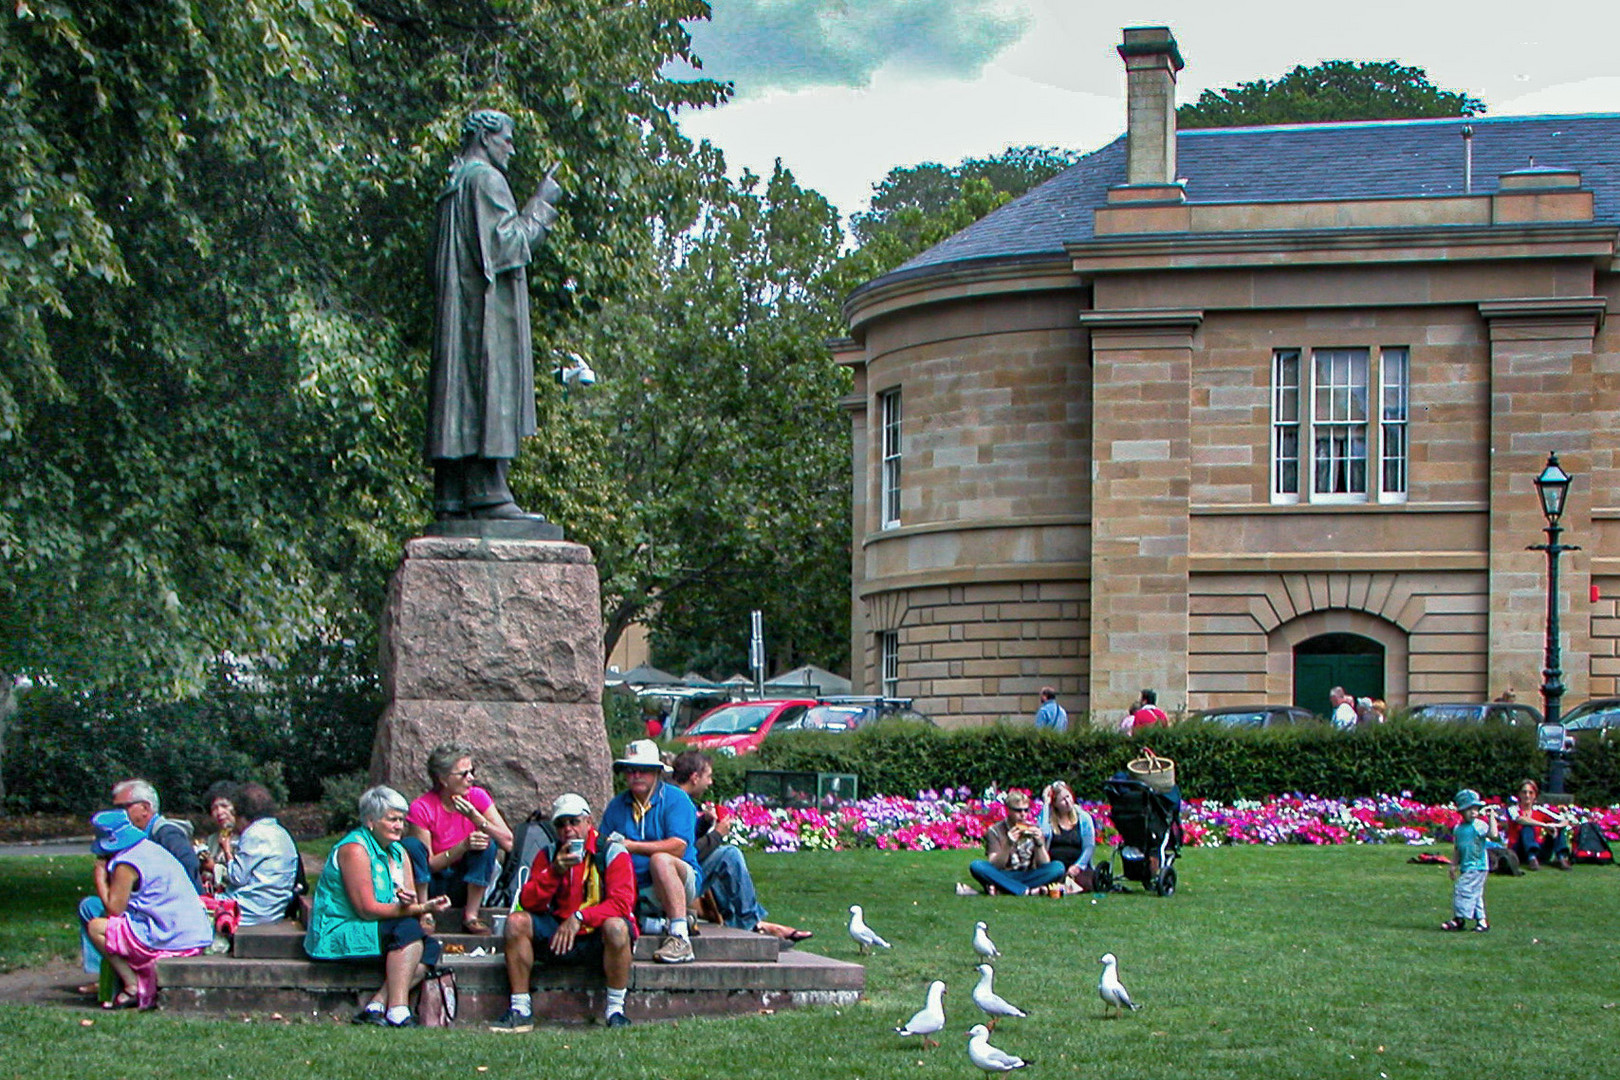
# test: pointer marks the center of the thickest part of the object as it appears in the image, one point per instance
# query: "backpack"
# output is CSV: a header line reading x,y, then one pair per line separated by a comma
x,y
532,836
1589,846
1504,860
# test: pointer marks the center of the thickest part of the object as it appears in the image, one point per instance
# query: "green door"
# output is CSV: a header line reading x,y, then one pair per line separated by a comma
x,y
1348,660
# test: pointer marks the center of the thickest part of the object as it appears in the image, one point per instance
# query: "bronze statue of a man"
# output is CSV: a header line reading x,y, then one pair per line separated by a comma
x,y
481,386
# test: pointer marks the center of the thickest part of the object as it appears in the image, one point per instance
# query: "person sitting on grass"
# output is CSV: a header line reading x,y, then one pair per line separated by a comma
x,y
152,909
454,833
366,906
657,823
1071,834
580,902
1016,860
725,871
1537,834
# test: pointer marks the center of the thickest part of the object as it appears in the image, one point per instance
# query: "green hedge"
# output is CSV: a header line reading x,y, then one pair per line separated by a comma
x,y
1594,775
289,729
1430,760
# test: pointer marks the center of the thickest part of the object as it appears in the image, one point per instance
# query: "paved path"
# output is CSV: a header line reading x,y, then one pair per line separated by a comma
x,y
48,847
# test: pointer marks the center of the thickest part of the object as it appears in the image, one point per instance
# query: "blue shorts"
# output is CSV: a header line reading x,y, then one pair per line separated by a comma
x,y
587,948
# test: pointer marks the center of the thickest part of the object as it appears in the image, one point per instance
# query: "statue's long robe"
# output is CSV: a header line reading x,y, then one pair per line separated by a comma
x,y
481,385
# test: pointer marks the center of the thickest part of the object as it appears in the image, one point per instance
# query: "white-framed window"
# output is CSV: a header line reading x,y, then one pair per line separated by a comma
x,y
889,662
889,470
1320,406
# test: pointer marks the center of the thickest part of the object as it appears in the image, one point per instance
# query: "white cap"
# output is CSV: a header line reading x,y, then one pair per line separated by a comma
x,y
570,805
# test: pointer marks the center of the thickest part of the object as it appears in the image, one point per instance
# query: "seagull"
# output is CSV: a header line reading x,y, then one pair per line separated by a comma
x,y
988,1057
864,935
982,943
930,1019
1111,990
994,1006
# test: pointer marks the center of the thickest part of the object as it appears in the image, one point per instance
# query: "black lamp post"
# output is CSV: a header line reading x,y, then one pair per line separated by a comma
x,y
1553,486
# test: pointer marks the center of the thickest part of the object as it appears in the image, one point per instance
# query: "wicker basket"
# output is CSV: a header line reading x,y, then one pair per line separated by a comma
x,y
1158,773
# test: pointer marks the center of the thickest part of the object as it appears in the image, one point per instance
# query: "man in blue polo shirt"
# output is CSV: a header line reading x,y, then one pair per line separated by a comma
x,y
657,823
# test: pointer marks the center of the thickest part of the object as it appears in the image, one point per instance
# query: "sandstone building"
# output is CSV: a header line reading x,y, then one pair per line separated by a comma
x,y
1241,413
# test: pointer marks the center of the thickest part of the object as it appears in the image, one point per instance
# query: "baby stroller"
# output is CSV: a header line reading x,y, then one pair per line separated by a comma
x,y
1149,827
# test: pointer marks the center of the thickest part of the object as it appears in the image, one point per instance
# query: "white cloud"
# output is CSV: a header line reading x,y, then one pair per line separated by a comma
x,y
841,141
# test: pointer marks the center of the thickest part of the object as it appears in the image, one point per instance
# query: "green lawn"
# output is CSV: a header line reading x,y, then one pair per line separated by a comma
x,y
1284,962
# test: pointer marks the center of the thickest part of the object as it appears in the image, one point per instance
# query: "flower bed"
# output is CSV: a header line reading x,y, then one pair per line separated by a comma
x,y
956,819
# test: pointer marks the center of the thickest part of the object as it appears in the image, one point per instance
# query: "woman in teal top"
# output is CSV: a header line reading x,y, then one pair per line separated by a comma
x,y
365,906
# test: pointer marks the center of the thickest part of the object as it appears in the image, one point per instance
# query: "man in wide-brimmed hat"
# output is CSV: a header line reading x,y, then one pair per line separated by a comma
x,y
657,824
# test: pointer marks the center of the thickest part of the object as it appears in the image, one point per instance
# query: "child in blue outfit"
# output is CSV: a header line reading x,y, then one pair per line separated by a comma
x,y
1472,867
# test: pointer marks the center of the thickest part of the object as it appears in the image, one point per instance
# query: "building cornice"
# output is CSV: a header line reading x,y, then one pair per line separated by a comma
x,y
976,575
1308,247
945,282
1043,521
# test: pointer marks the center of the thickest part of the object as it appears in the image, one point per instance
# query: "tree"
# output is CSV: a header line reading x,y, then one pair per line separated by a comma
x,y
1332,90
933,190
725,456
214,313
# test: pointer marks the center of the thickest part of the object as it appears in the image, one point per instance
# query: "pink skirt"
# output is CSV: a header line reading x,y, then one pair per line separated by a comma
x,y
122,943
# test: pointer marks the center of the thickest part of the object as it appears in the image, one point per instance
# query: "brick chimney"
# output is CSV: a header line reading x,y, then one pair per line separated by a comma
x,y
1151,62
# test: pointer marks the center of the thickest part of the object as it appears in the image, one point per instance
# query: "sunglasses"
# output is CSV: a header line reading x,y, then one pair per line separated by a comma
x,y
466,774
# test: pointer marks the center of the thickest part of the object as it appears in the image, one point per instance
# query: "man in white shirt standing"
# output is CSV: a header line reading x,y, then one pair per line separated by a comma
x,y
1344,709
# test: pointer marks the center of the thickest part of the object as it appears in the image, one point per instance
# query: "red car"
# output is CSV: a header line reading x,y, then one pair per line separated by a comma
x,y
739,728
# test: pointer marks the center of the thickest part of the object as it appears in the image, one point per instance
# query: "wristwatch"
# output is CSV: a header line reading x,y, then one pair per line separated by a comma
x,y
578,915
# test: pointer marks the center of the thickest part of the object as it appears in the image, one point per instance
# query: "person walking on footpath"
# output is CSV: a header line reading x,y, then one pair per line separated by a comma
x,y
1344,709
1472,868
1051,714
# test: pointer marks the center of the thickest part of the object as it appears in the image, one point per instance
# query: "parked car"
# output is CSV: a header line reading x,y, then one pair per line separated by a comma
x,y
739,728
683,705
1594,714
1255,716
1498,712
844,714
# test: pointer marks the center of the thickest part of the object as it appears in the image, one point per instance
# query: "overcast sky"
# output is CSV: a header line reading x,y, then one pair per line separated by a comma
x,y
844,90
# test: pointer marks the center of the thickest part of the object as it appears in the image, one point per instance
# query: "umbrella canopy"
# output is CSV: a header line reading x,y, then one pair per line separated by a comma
x,y
812,680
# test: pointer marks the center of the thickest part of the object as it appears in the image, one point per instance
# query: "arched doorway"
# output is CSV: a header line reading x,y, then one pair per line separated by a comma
x,y
1328,660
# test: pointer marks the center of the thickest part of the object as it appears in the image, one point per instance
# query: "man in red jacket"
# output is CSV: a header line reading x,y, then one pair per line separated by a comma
x,y
577,903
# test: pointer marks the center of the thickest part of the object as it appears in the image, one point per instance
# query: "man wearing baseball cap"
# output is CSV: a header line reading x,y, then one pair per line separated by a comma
x,y
658,824
579,903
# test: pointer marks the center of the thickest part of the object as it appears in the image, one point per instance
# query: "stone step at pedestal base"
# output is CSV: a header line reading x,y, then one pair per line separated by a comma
x,y
285,941
293,987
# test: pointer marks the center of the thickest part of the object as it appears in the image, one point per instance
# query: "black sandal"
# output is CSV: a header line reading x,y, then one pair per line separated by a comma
x,y
1482,927
1455,924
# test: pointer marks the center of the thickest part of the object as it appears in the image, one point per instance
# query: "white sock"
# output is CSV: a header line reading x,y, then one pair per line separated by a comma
x,y
398,1014
615,1001
520,1004
374,1006
677,928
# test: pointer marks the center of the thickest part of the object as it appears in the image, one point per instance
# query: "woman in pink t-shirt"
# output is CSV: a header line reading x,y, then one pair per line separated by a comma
x,y
449,834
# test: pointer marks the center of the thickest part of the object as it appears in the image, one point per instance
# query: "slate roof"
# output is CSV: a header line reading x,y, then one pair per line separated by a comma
x,y
1367,159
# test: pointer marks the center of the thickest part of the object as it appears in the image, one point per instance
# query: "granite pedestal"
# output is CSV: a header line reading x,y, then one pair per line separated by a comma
x,y
496,644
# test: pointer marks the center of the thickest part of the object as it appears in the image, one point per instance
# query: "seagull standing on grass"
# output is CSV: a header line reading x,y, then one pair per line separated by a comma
x,y
988,1057
994,1006
1111,990
982,943
930,1019
865,937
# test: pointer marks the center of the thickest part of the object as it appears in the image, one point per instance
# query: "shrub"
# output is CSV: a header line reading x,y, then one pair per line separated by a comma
x,y
340,800
1430,760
